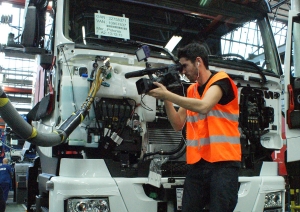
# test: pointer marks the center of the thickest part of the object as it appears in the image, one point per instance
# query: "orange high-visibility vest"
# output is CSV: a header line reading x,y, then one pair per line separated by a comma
x,y
213,136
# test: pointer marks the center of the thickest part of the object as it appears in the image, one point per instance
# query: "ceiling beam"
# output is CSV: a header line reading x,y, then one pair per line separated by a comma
x,y
13,99
17,82
7,89
15,2
279,3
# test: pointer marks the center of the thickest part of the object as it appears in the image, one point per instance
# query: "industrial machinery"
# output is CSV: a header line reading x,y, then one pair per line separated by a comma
x,y
106,146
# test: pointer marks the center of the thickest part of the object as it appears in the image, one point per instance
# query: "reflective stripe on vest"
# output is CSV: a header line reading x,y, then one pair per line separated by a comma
x,y
213,136
215,113
214,139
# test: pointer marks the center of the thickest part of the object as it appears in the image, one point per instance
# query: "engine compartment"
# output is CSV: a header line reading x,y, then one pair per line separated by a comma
x,y
128,130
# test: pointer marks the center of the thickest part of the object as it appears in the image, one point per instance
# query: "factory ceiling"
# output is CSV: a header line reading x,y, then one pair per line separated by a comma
x,y
280,8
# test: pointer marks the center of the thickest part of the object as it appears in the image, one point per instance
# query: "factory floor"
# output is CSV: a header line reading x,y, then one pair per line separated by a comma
x,y
13,206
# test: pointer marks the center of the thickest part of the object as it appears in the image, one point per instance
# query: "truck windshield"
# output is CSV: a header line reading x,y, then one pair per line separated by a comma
x,y
123,26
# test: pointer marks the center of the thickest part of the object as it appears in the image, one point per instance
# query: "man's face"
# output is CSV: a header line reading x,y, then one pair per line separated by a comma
x,y
189,69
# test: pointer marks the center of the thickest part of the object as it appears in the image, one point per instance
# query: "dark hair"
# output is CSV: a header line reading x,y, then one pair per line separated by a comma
x,y
192,51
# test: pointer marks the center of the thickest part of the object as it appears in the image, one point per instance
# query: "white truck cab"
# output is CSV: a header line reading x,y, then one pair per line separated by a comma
x,y
103,144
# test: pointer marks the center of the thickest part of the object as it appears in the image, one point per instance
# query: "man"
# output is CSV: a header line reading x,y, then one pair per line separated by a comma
x,y
210,112
2,202
5,178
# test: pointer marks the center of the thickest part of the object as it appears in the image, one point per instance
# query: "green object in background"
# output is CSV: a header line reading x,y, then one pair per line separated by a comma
x,y
153,195
108,76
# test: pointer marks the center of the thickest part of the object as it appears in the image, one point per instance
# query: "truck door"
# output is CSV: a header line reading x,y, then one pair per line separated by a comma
x,y
292,87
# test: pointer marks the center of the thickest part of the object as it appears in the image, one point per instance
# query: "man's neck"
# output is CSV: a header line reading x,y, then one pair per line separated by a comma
x,y
204,77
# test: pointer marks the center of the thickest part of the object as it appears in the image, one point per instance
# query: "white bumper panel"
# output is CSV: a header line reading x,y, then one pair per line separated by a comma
x,y
251,196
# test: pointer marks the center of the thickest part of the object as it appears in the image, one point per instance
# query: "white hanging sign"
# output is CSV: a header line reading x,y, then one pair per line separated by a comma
x,y
111,26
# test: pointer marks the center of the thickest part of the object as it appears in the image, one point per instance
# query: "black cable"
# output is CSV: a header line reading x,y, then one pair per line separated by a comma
x,y
97,121
144,105
180,154
180,146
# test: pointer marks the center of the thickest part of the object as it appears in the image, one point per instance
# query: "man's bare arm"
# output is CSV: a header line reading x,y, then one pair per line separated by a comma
x,y
177,118
203,106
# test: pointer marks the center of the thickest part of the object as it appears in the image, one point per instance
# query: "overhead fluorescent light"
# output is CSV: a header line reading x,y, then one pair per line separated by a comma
x,y
83,35
5,7
173,42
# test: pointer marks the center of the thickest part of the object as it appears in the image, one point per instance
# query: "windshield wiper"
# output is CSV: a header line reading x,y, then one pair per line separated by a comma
x,y
240,59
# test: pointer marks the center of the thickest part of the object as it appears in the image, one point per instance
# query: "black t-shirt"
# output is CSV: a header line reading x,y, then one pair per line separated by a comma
x,y
226,87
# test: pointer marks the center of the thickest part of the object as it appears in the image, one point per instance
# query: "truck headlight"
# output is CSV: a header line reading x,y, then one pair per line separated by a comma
x,y
88,205
273,199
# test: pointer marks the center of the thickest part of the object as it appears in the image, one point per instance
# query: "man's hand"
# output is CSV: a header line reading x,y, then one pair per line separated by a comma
x,y
160,92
